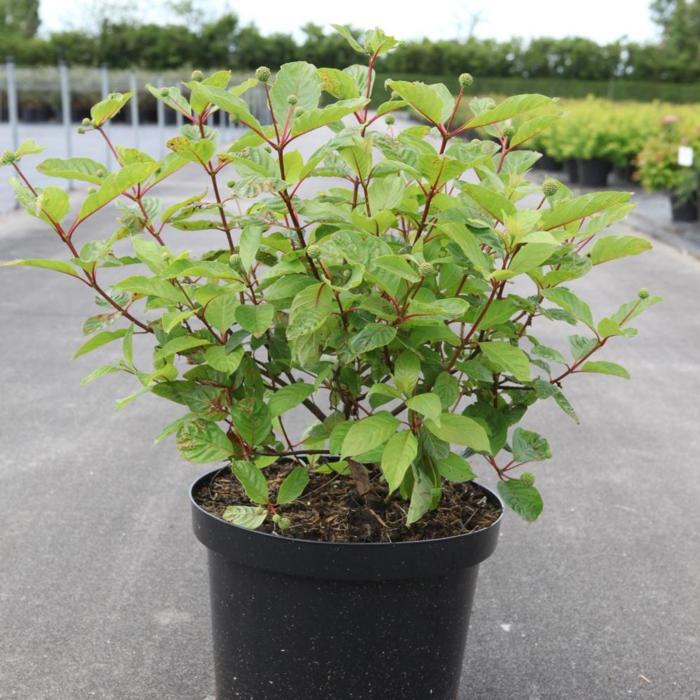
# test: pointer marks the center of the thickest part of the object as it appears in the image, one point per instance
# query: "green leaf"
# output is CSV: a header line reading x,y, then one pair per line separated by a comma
x,y
252,420
491,201
397,457
531,128
297,78
223,99
613,247
248,247
180,344
509,108
423,496
57,265
507,358
310,309
195,151
221,311
338,83
217,357
316,118
255,319
99,340
602,367
455,468
522,497
152,287
249,517
406,372
368,433
252,480
568,301
460,430
288,397
371,337
386,193
28,147
529,446
447,388
428,405
423,98
398,265
578,208
293,485
114,185
106,109
202,442
83,169
347,35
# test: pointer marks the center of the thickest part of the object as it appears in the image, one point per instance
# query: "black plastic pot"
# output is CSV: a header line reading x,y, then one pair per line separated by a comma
x,y
593,172
684,210
548,163
298,619
571,169
625,173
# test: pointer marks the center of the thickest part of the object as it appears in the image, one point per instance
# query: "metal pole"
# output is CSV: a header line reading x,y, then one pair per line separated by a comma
x,y
66,111
160,111
133,88
178,119
12,102
104,79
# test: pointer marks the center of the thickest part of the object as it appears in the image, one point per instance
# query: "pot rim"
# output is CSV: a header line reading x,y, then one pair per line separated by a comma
x,y
491,495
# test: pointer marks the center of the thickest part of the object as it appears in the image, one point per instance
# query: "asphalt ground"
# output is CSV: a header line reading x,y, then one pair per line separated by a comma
x,y
103,590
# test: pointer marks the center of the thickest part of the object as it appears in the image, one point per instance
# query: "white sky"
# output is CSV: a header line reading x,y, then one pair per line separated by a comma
x,y
601,20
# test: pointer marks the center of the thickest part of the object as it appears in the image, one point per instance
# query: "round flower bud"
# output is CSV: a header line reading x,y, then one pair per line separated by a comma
x,y
231,183
528,478
425,269
300,110
92,190
86,121
549,187
113,96
292,99
101,173
643,293
508,132
263,74
465,80
390,119
235,262
197,75
164,92
314,252
81,129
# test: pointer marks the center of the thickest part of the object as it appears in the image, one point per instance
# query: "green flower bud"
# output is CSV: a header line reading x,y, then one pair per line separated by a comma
x,y
281,522
263,74
81,130
508,131
643,293
425,269
86,121
235,262
550,187
300,110
466,80
164,92
314,252
231,183
197,75
102,173
113,96
92,190
528,478
390,119
292,99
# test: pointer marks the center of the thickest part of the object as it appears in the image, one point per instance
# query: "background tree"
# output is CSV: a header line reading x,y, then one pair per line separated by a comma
x,y
19,17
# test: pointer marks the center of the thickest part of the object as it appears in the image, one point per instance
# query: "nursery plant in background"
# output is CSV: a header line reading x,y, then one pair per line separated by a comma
x,y
391,285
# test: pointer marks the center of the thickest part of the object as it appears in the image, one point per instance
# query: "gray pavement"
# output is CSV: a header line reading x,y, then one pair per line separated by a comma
x,y
103,590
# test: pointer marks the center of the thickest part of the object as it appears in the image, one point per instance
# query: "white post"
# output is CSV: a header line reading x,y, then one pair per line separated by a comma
x,y
64,80
104,80
134,89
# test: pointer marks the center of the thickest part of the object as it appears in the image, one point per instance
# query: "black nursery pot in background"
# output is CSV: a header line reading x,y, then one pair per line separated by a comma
x,y
593,172
684,209
315,620
571,169
548,163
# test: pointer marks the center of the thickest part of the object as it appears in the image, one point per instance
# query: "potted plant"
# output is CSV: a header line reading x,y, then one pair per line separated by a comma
x,y
658,171
396,302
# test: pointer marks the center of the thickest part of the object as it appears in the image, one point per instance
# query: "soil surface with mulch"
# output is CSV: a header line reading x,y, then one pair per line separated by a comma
x,y
331,509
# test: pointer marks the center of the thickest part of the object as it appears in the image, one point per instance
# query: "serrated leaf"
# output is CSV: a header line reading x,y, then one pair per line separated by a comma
x,y
202,442
528,446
